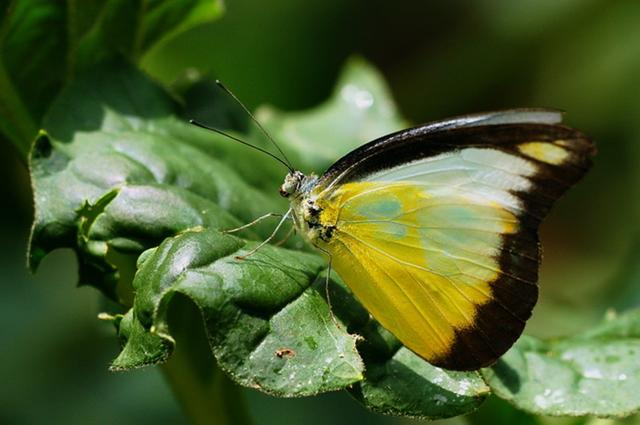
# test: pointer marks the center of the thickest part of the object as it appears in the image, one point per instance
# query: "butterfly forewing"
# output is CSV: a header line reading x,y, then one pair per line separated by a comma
x,y
436,230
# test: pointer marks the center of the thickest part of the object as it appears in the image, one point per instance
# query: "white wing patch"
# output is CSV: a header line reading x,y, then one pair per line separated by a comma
x,y
481,175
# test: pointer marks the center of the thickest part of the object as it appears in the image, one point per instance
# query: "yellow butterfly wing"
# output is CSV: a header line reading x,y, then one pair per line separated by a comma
x,y
443,250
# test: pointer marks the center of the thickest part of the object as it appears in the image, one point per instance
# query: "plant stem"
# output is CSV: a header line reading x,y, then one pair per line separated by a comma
x,y
205,392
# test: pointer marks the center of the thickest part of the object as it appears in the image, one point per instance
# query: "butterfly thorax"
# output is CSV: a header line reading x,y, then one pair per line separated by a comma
x,y
307,212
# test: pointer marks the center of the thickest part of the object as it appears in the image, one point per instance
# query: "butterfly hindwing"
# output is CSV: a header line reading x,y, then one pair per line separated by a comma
x,y
436,229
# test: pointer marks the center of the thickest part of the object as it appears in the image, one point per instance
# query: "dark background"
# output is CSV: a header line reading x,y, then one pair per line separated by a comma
x,y
440,59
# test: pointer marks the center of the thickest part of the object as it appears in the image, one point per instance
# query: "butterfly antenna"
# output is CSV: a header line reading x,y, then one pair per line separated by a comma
x,y
215,130
262,129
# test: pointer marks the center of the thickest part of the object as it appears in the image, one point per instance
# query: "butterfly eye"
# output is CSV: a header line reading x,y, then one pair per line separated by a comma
x,y
291,184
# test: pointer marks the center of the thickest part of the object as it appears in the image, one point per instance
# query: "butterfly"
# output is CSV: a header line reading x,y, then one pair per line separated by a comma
x,y
435,228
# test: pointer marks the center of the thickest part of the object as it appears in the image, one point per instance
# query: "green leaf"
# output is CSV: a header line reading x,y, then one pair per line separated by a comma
x,y
164,20
164,174
100,30
407,385
360,110
139,195
249,327
147,348
595,373
103,29
249,324
67,38
32,38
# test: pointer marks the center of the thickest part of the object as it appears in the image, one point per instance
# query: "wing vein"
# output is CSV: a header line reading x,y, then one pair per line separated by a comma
x,y
486,295
424,315
499,271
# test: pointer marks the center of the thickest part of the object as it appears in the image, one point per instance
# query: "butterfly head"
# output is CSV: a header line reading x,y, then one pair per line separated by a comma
x,y
292,184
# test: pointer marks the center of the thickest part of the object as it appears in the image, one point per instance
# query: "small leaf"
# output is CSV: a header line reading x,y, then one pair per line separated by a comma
x,y
596,373
140,348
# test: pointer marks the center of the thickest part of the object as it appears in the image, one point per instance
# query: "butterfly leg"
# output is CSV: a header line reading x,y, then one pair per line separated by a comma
x,y
266,241
287,236
326,287
256,221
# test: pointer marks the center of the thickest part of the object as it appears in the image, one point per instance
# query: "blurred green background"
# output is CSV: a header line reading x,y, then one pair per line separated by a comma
x,y
440,59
